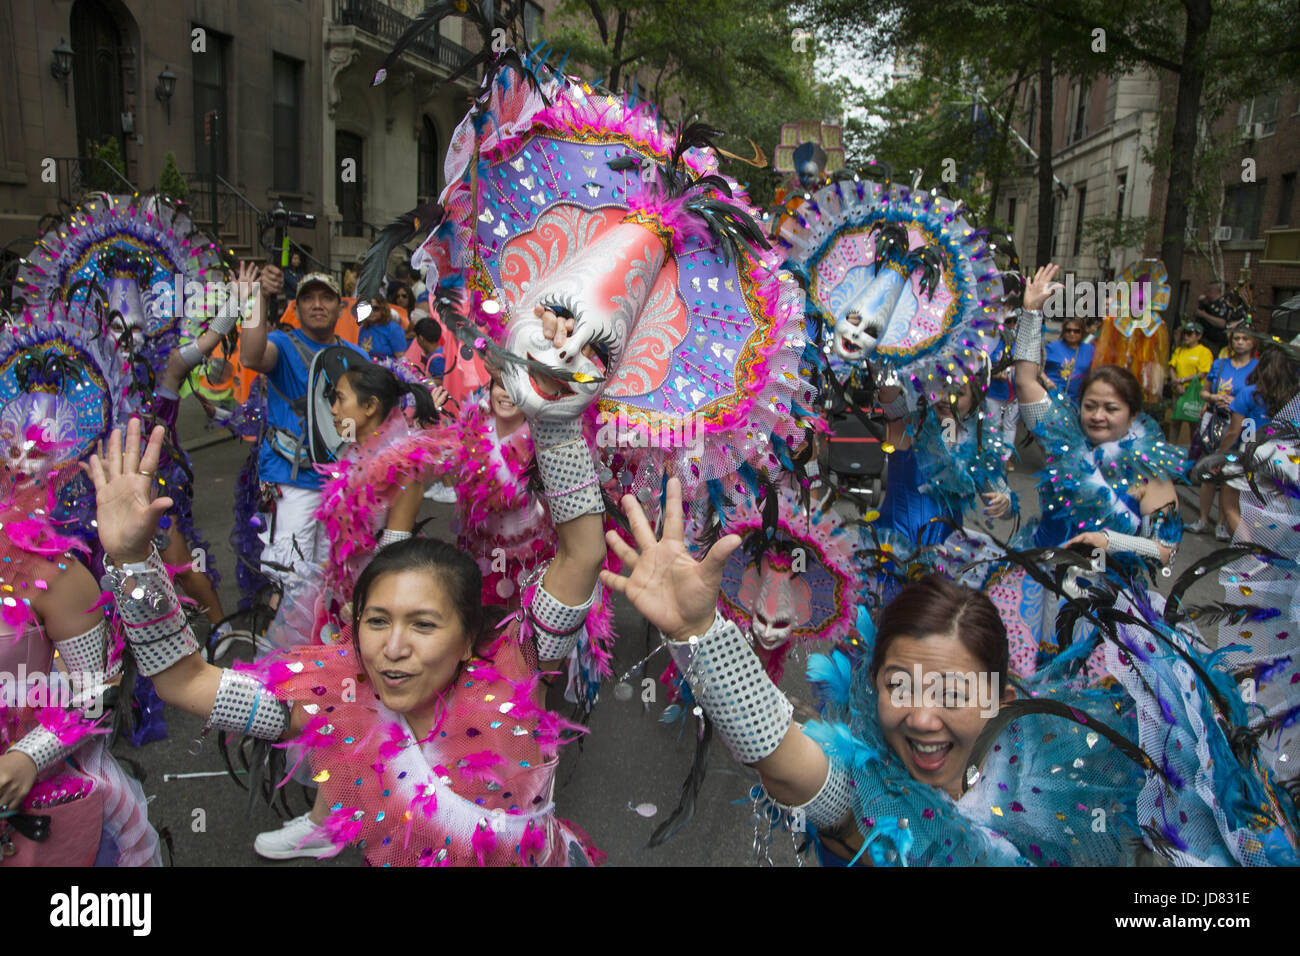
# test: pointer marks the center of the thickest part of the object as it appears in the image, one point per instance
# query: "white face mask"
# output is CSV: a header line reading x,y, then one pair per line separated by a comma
x,y
855,340
124,302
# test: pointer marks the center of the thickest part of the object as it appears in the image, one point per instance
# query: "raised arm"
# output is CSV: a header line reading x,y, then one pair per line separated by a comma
x,y
679,596
255,351
1028,348
161,640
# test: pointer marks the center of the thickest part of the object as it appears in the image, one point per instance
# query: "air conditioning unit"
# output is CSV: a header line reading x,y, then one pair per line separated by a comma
x,y
1223,234
1253,131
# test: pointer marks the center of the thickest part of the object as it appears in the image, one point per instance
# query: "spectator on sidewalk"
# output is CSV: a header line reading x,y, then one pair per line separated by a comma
x,y
426,352
381,333
1191,361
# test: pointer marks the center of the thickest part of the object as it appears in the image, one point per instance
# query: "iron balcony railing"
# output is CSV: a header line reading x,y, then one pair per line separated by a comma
x,y
381,20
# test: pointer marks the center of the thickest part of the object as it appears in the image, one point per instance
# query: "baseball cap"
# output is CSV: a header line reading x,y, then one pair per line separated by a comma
x,y
1192,327
318,278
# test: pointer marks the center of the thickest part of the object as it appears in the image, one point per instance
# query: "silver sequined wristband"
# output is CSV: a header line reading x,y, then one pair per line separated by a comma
x,y
87,653
557,624
156,628
244,706
1117,543
387,537
568,473
748,711
832,803
44,748
1029,337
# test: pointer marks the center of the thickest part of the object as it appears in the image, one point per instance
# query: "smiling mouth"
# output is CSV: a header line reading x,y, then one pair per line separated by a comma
x,y
395,678
929,757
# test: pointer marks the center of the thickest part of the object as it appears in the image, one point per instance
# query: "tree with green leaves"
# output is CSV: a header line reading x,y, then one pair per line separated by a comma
x,y
1231,48
745,73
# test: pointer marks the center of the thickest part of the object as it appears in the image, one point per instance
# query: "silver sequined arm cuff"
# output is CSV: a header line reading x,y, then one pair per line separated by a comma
x,y
748,712
896,408
190,355
567,471
387,537
87,653
244,706
156,627
1035,412
833,802
1117,543
44,748
556,624
1029,337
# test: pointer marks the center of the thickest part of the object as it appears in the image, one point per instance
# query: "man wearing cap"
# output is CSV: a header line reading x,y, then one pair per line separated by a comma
x,y
291,487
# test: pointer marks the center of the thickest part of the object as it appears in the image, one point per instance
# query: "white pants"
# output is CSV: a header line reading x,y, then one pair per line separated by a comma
x,y
1004,416
300,541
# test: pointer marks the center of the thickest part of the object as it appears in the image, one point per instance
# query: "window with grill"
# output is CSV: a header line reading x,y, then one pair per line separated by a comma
x,y
211,114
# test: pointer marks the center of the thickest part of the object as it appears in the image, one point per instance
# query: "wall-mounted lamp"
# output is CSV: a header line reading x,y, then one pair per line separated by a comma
x,y
61,66
164,90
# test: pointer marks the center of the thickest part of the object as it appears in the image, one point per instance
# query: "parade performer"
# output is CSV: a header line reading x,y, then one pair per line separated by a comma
x,y
64,801
137,270
1259,624
445,756
914,767
1133,335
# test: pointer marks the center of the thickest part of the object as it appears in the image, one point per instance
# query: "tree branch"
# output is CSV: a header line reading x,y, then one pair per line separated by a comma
x,y
598,15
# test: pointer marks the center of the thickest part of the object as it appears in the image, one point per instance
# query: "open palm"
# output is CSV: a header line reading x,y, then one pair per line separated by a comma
x,y
673,591
127,519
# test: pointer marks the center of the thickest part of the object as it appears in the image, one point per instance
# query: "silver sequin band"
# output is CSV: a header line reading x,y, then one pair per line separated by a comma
x,y
224,320
44,748
896,407
1117,543
88,653
156,627
189,354
557,624
387,537
567,471
1029,337
244,706
748,712
833,802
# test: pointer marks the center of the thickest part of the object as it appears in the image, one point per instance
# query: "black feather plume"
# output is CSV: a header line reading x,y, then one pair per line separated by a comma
x,y
685,810
1211,562
410,225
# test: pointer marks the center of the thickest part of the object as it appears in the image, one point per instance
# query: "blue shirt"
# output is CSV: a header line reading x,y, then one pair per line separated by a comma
x,y
1246,404
998,389
1067,368
382,341
1224,377
290,378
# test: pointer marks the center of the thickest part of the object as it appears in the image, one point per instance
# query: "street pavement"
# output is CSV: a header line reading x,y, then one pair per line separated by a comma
x,y
629,761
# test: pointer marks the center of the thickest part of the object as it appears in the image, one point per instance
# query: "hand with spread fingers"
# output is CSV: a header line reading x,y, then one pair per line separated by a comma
x,y
675,593
124,483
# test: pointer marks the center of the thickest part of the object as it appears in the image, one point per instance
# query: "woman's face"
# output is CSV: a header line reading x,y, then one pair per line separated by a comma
x,y
933,725
1103,415
347,408
403,299
1242,344
1072,333
502,407
412,642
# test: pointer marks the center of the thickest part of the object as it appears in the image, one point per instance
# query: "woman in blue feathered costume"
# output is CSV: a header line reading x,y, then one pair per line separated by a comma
x,y
1108,480
929,756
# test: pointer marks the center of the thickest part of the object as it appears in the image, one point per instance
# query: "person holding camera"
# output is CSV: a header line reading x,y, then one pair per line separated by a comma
x,y
290,485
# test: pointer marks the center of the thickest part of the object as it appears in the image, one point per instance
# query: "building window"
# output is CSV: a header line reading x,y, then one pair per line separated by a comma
x,y
1121,187
532,23
428,172
1078,220
286,124
349,192
1243,208
211,115
1257,117
1031,114
1011,213
1082,92
1286,200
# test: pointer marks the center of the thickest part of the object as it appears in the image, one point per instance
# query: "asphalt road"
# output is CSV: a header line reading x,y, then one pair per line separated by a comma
x,y
629,760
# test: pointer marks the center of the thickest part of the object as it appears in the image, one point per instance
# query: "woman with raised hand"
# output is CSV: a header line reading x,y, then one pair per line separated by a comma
x,y
1108,482
424,721
927,758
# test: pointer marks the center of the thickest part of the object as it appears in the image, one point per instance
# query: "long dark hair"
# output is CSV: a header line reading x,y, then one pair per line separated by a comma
x,y
455,570
1276,379
935,606
369,381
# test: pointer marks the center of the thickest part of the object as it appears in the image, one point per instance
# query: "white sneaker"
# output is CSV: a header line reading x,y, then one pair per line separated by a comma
x,y
441,494
297,838
1221,532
